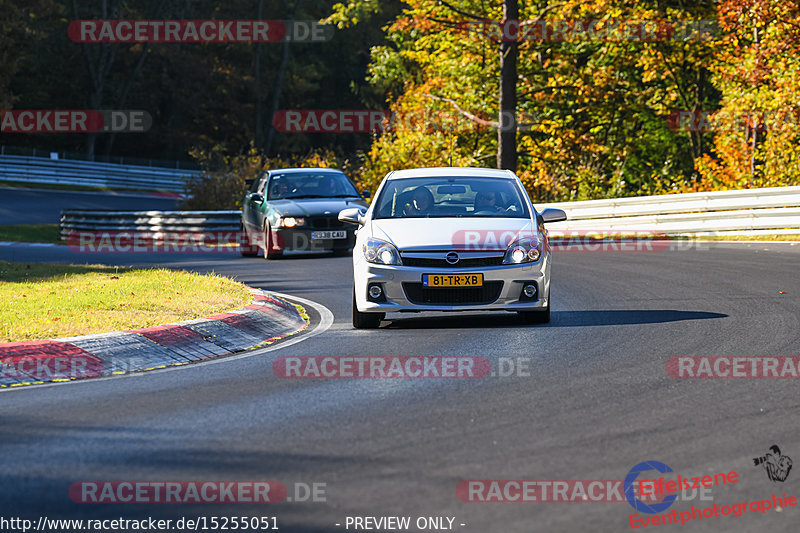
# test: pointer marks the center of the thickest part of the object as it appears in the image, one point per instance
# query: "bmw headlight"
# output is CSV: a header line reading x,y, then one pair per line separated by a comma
x,y
381,252
290,222
526,249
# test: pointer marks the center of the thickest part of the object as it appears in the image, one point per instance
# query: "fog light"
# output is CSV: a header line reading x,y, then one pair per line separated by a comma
x,y
529,291
375,291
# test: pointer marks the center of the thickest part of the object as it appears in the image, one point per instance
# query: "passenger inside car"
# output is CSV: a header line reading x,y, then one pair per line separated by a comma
x,y
487,201
279,190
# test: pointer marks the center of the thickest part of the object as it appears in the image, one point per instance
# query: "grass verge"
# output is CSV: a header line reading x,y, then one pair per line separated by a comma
x,y
46,301
30,233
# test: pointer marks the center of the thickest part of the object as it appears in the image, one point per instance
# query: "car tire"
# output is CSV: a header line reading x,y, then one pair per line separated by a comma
x,y
246,248
365,320
536,317
268,252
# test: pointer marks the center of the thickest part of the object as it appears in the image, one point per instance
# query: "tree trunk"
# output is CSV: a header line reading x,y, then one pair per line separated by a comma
x,y
278,85
509,50
259,133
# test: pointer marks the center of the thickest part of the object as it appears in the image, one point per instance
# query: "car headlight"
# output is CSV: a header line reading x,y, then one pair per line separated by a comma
x,y
526,249
381,252
290,222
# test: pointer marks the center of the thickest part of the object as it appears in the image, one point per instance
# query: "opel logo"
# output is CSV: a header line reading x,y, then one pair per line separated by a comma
x,y
451,258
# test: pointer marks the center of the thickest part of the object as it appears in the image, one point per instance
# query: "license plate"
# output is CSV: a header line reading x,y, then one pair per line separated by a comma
x,y
452,280
318,235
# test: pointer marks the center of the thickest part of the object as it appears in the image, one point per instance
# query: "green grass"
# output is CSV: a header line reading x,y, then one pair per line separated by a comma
x,y
46,301
30,233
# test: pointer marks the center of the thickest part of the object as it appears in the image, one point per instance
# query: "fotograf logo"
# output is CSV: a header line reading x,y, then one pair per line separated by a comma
x,y
777,466
630,483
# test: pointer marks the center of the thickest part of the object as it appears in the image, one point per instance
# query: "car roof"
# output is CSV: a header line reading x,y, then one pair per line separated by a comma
x,y
315,170
434,172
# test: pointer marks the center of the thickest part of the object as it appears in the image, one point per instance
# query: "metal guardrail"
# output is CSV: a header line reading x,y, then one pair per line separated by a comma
x,y
151,222
93,174
773,210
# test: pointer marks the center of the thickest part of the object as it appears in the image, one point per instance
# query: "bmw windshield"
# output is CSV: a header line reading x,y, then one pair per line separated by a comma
x,y
310,185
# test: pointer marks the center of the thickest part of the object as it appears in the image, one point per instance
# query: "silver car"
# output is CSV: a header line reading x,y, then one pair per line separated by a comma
x,y
450,239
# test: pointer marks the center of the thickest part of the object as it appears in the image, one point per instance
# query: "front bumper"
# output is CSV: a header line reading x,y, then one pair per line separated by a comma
x,y
298,239
399,298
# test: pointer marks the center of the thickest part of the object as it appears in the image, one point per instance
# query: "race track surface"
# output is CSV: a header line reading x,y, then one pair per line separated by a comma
x,y
596,402
42,206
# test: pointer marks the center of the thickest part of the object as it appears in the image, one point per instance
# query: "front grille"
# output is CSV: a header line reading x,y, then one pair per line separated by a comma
x,y
325,223
462,263
487,294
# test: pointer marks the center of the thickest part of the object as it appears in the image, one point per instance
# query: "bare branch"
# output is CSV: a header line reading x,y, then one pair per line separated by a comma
x,y
470,116
538,19
461,11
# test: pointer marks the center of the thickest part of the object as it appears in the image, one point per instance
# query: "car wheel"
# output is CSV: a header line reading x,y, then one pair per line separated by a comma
x,y
536,317
268,252
246,248
365,320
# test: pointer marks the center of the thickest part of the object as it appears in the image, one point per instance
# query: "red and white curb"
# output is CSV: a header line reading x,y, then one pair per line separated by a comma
x,y
266,320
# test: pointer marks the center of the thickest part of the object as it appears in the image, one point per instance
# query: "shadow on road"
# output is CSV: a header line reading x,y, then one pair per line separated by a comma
x,y
560,319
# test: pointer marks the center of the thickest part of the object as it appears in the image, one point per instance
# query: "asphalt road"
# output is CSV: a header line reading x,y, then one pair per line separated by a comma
x,y
43,206
597,401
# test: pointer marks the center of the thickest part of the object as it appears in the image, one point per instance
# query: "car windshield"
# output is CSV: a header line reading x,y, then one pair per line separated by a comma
x,y
310,185
441,197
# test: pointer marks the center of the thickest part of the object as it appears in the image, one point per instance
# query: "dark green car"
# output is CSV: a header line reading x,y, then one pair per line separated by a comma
x,y
297,209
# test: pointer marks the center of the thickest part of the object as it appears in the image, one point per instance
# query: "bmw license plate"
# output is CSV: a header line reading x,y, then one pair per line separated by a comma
x,y
452,280
319,235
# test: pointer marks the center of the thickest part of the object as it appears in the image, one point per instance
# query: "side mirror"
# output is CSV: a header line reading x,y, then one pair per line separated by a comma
x,y
366,193
352,215
553,215
257,198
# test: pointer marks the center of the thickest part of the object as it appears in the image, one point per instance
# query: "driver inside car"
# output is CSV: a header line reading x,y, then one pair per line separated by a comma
x,y
328,187
487,201
421,202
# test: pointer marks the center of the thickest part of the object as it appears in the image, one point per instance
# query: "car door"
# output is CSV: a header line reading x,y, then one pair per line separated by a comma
x,y
252,210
